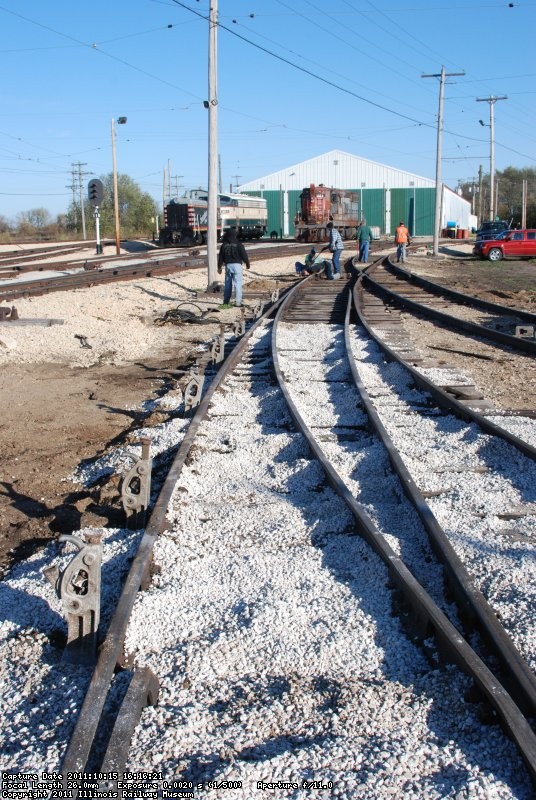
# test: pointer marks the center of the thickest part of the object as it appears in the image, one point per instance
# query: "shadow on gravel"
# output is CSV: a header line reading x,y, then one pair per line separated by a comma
x,y
418,677
445,250
137,247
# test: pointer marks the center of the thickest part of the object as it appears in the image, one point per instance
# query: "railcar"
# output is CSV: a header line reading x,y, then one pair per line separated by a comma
x,y
320,205
186,220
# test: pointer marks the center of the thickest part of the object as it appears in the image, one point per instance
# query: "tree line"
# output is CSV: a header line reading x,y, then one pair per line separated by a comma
x,y
137,209
509,194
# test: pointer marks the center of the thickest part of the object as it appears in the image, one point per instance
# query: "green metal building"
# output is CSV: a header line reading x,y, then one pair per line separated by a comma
x,y
386,195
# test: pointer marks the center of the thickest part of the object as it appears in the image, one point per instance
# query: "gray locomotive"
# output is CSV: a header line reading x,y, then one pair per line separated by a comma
x,y
186,218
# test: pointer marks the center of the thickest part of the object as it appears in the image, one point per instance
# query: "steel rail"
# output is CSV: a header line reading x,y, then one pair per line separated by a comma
x,y
472,328
97,261
6,259
460,297
428,614
122,272
474,609
444,399
90,278
79,748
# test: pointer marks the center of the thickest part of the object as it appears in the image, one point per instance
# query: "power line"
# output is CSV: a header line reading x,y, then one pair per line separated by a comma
x,y
306,71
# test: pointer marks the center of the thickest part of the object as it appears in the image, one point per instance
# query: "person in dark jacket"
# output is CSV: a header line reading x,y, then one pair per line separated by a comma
x,y
364,239
231,256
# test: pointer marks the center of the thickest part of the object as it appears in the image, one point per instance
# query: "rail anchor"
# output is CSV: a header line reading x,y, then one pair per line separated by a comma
x,y
217,350
192,391
239,325
136,487
8,314
79,587
258,308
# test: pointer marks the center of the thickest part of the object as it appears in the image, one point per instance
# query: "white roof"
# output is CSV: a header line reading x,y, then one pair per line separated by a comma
x,y
340,170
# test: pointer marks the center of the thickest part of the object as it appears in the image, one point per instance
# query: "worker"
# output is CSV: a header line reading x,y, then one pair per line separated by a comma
x,y
401,240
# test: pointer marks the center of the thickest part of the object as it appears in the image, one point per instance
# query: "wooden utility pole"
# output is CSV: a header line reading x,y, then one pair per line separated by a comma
x,y
491,100
438,186
164,196
79,164
480,186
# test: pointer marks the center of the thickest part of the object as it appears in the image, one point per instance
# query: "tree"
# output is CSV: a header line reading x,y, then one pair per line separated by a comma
x,y
5,227
509,185
135,208
511,194
32,222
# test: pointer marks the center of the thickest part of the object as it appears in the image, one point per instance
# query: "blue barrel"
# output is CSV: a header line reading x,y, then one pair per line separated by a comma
x,y
451,224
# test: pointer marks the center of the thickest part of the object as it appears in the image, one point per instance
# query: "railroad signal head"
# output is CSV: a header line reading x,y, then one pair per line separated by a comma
x,y
95,192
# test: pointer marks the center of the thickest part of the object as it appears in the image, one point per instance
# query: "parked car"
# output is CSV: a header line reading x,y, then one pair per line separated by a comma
x,y
477,249
512,244
490,230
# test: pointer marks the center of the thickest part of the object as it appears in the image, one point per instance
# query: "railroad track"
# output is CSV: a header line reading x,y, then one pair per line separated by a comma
x,y
387,313
18,258
270,622
451,308
159,263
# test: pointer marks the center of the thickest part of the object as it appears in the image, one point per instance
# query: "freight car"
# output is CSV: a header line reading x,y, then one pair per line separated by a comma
x,y
320,205
186,218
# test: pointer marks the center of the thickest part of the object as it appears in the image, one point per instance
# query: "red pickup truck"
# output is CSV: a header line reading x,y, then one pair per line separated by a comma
x,y
513,244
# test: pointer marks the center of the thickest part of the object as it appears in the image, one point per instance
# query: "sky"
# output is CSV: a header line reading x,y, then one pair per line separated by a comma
x,y
296,78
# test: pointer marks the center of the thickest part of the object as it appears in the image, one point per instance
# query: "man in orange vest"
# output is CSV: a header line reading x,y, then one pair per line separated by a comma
x,y
401,240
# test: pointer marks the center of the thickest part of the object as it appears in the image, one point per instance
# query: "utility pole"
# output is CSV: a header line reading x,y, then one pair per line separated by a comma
x,y
212,106
480,195
524,193
72,187
236,177
81,195
438,191
491,100
120,121
177,178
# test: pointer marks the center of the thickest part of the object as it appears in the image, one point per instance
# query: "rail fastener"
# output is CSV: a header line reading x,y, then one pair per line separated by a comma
x,y
79,588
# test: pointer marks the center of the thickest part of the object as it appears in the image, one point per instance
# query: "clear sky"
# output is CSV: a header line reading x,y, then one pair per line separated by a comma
x,y
296,78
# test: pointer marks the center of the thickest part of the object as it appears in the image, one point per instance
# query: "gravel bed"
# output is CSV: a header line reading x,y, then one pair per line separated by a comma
x,y
278,655
483,490
275,645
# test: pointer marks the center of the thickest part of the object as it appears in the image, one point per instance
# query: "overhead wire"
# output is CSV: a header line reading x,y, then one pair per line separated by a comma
x,y
304,69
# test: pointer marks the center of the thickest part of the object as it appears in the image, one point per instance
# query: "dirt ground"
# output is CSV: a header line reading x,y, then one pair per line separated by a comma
x,y
58,411
53,419
65,405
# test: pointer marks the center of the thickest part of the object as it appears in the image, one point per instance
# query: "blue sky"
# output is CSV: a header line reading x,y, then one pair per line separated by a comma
x,y
296,78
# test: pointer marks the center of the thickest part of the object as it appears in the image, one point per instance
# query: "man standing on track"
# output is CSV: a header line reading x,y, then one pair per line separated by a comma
x,y
364,238
232,254
335,246
401,240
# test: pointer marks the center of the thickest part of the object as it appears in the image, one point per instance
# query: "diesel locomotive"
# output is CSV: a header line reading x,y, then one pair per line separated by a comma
x,y
186,218
320,205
